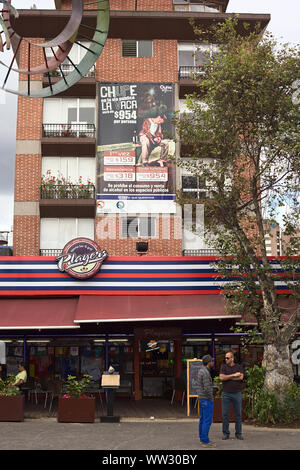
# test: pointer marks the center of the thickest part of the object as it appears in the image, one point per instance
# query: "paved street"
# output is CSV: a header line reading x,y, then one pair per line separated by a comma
x,y
48,434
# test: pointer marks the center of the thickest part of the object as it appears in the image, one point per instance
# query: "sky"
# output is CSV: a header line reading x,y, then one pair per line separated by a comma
x,y
284,25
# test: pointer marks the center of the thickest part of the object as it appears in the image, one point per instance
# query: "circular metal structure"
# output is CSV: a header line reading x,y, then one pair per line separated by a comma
x,y
60,47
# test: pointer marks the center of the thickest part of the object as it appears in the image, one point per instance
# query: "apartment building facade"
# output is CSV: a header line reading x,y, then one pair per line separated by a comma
x,y
82,171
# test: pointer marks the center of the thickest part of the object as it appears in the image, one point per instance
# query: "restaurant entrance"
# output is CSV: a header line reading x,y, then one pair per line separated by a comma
x,y
156,368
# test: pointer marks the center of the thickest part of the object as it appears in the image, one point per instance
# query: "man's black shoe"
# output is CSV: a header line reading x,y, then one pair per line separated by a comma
x,y
239,436
225,436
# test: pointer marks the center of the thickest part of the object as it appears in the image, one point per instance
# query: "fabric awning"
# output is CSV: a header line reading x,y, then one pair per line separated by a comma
x,y
109,308
37,313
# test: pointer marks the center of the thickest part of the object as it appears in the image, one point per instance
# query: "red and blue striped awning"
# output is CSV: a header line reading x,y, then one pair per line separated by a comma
x,y
36,276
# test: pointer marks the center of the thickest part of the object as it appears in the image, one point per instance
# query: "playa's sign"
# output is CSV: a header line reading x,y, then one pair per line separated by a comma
x,y
81,258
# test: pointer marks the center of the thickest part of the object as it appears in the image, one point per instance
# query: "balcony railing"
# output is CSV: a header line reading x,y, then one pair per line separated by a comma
x,y
190,71
50,252
66,69
65,191
69,130
201,252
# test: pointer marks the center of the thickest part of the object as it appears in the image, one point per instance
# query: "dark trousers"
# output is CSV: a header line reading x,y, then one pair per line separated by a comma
x,y
206,417
236,400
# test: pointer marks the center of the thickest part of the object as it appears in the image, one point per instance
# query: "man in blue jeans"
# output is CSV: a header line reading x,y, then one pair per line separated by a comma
x,y
206,400
232,376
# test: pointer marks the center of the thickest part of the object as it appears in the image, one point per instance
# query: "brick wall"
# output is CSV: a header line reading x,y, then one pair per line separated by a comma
x,y
26,235
162,67
28,165
167,242
27,177
145,5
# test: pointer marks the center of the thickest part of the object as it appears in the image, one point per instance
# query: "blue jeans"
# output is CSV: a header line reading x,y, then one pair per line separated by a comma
x,y
236,399
206,417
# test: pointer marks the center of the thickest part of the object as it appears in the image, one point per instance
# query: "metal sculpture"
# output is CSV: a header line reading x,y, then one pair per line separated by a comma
x,y
63,43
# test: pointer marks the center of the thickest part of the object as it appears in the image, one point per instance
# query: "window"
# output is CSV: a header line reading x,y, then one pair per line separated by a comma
x,y
191,54
69,110
133,48
71,168
138,227
55,233
195,5
194,187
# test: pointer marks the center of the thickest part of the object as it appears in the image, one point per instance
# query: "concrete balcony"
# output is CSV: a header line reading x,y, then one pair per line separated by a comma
x,y
68,201
68,139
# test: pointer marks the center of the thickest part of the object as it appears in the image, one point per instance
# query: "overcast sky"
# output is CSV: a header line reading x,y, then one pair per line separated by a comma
x,y
284,25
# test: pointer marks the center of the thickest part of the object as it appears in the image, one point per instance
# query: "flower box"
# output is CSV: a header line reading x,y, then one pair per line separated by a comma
x,y
76,410
12,408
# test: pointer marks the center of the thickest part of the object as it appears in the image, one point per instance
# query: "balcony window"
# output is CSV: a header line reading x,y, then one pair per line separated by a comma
x,y
68,110
57,232
71,168
69,117
193,187
196,5
75,55
193,58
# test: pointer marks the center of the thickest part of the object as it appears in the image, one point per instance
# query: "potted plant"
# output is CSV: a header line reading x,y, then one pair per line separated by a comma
x,y
75,406
11,401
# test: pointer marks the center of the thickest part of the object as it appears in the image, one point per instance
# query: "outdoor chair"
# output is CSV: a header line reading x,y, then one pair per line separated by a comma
x,y
56,389
44,390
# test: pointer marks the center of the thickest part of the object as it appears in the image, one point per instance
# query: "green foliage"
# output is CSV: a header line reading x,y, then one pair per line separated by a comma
x,y
7,389
264,407
77,388
255,377
243,141
219,384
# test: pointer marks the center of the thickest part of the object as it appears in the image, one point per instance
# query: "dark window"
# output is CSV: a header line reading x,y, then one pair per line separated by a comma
x,y
138,227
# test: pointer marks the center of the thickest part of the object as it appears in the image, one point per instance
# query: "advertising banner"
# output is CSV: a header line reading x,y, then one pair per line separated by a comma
x,y
136,150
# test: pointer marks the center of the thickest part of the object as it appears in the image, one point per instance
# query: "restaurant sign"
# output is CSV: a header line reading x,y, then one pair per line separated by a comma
x,y
81,258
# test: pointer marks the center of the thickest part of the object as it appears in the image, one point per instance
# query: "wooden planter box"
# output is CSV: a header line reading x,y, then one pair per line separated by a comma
x,y
217,417
76,410
12,408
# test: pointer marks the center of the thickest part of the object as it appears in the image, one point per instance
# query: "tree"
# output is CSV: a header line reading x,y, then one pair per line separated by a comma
x,y
243,140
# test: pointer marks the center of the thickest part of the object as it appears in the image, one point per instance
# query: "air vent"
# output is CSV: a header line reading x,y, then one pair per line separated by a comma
x,y
129,48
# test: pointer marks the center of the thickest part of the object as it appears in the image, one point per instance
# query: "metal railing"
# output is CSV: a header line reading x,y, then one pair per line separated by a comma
x,y
190,71
50,252
69,130
201,252
68,191
66,69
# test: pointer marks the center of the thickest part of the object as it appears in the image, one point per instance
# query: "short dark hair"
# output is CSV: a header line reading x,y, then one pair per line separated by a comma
x,y
230,352
22,364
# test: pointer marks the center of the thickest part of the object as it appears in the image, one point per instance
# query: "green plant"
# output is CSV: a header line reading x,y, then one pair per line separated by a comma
x,y
291,404
53,187
7,389
264,406
77,388
219,384
255,377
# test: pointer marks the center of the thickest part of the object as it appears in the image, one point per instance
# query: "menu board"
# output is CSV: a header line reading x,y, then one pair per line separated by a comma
x,y
193,366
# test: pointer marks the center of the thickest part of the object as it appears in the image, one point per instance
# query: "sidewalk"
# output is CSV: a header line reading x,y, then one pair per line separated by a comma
x,y
138,434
